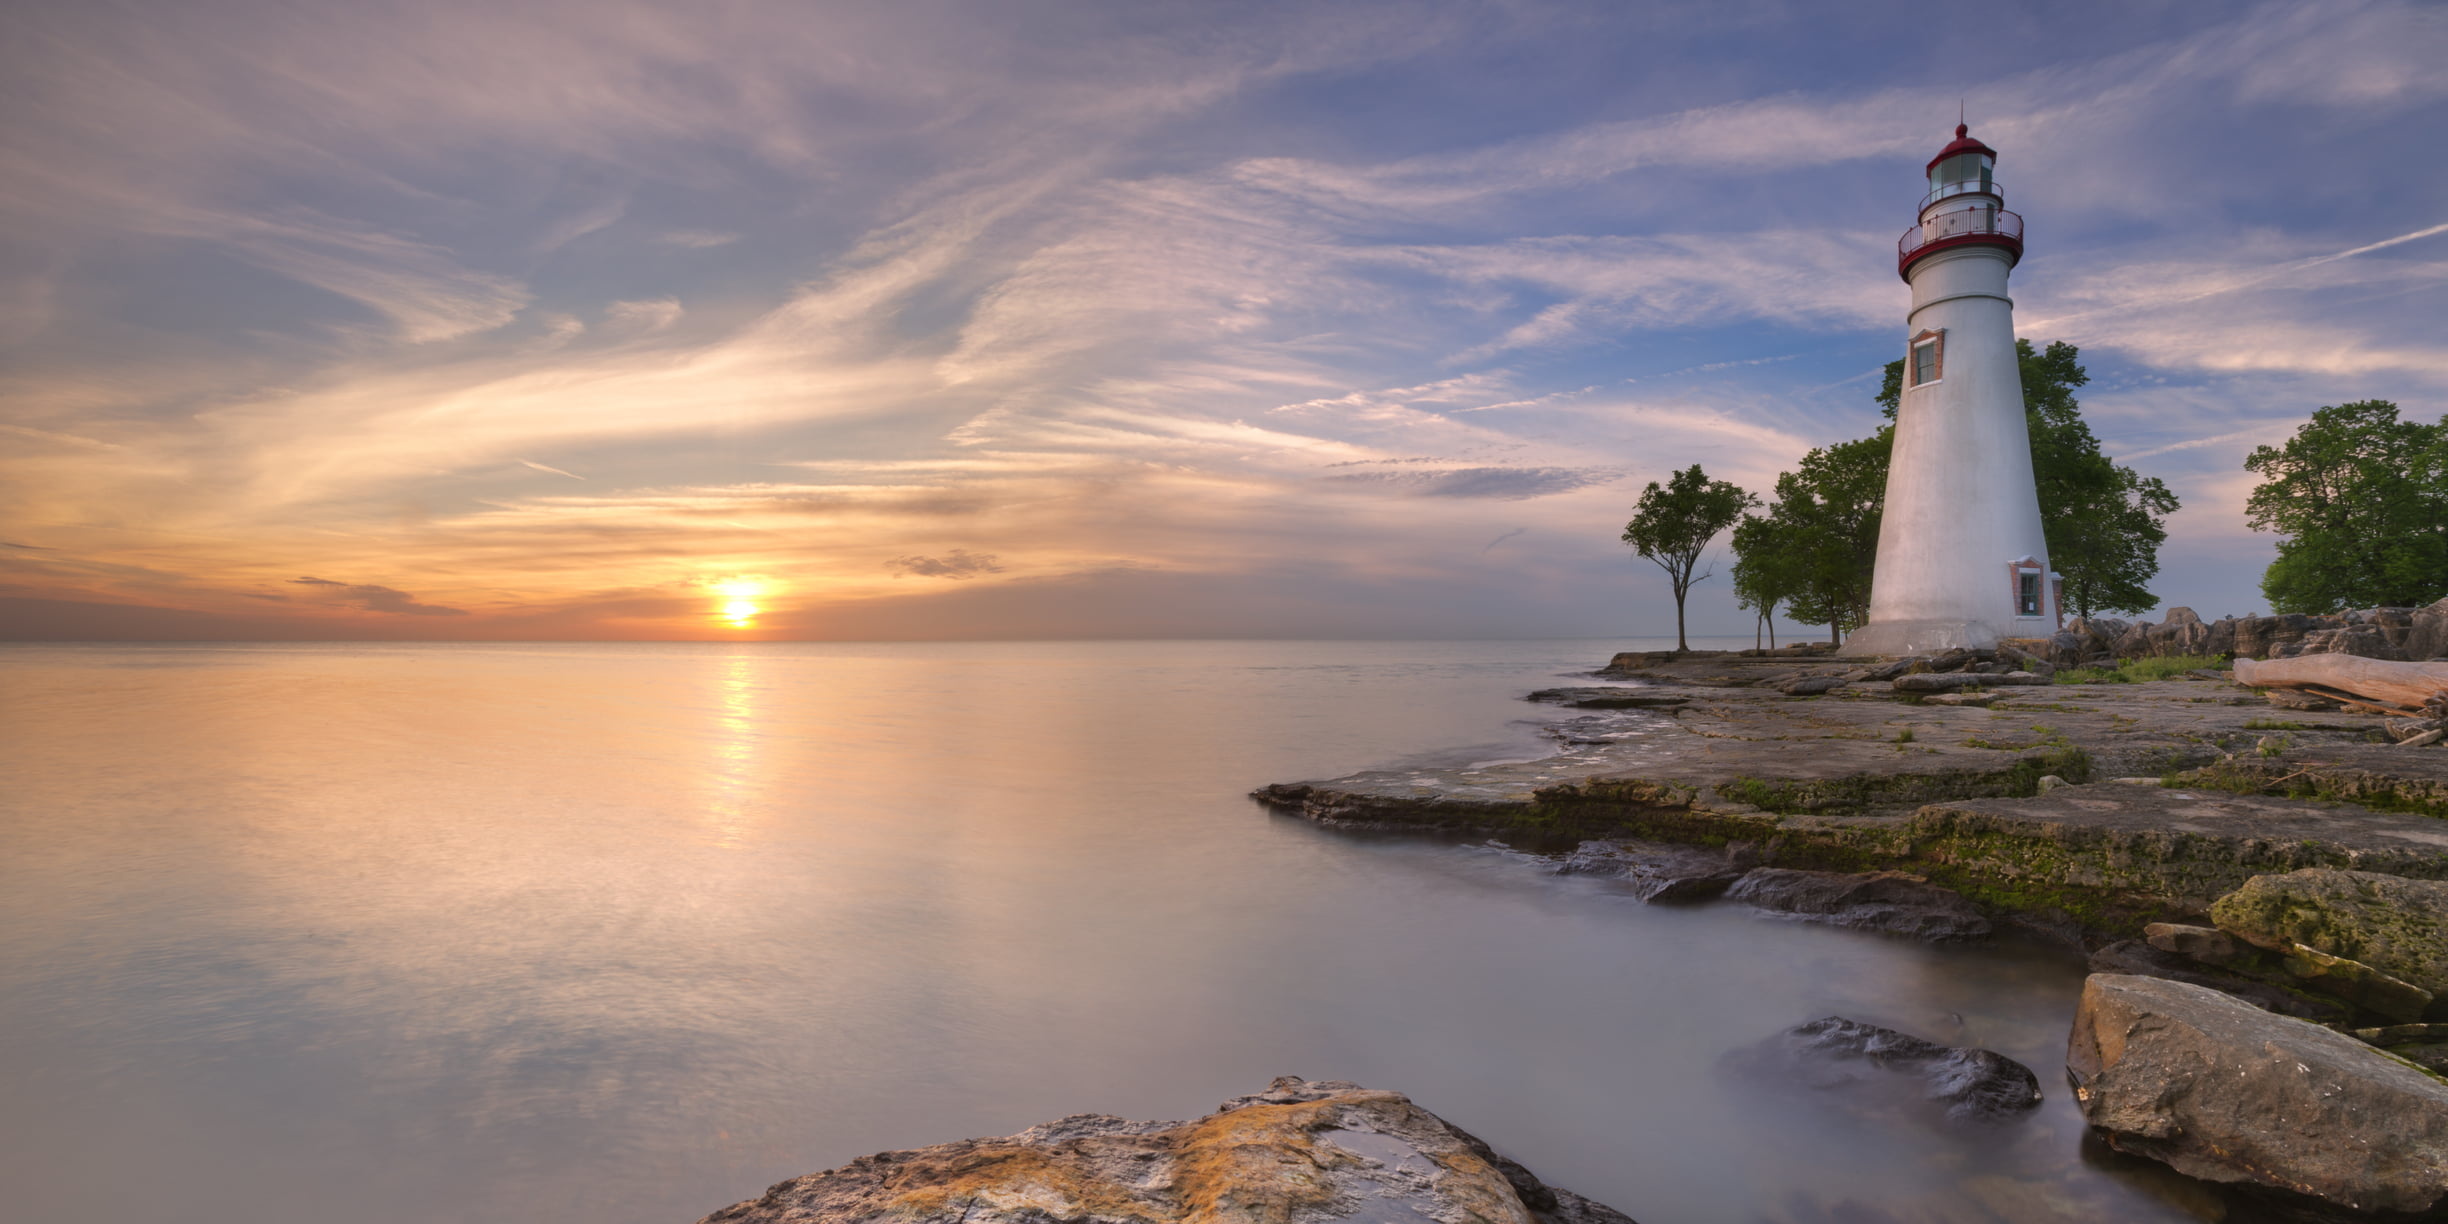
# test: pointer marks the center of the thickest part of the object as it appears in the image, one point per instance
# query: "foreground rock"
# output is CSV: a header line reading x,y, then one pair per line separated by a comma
x,y
2220,1090
2397,927
1869,1066
1888,901
1306,1151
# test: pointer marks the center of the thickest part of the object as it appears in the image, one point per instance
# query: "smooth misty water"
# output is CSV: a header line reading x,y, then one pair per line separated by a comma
x,y
624,933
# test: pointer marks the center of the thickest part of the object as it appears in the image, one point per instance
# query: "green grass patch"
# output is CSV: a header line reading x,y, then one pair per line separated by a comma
x,y
2137,671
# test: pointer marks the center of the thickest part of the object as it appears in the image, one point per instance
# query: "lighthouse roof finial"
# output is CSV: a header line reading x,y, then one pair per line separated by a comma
x,y
1963,143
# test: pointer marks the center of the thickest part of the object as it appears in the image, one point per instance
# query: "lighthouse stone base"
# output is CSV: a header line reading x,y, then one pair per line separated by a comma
x,y
1923,637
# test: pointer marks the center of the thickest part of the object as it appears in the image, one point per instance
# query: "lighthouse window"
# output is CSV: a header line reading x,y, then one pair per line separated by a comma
x,y
1928,357
1965,168
2027,593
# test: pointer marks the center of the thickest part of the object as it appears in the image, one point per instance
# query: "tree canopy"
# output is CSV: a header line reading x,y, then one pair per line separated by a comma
x,y
1673,525
2362,499
2103,522
1815,546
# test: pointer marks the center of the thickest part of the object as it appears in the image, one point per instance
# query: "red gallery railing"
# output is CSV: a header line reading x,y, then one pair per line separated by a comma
x,y
1961,227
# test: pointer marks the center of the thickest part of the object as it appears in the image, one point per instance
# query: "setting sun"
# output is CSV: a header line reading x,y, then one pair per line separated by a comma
x,y
739,612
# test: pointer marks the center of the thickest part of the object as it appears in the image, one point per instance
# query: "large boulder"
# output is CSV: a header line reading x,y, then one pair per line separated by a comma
x,y
2392,924
2221,1090
1309,1151
2427,632
2362,641
2270,637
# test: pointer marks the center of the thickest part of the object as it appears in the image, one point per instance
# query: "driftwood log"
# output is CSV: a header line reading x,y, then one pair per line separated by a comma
x,y
2394,688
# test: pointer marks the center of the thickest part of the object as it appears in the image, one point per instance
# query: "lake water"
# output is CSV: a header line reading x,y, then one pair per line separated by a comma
x,y
624,933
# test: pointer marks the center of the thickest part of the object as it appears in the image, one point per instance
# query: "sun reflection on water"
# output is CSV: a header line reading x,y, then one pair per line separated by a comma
x,y
731,774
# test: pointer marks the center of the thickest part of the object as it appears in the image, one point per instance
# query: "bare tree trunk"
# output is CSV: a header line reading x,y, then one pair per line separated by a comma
x,y
2403,685
1770,617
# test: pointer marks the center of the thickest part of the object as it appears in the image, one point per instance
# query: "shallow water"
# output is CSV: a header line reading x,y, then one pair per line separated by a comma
x,y
617,933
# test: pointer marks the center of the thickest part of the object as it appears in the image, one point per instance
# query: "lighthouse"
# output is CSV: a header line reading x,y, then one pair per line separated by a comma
x,y
1961,558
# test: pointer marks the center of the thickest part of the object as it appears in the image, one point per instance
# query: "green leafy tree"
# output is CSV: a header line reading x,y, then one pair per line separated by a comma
x,y
2362,499
1763,575
1817,544
1673,525
2103,522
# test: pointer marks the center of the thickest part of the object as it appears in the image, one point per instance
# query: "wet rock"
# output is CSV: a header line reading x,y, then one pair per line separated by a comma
x,y
2223,1091
2138,959
2207,944
1626,698
1876,1066
1889,901
2396,926
1311,1151
1661,874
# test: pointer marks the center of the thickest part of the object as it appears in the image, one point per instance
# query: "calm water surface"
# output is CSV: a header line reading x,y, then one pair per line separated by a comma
x,y
625,933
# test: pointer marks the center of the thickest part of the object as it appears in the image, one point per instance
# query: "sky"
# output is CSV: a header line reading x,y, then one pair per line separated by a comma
x,y
593,319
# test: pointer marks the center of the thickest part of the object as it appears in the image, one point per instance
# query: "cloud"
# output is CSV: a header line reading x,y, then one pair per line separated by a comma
x,y
1504,484
379,598
959,563
1097,299
652,315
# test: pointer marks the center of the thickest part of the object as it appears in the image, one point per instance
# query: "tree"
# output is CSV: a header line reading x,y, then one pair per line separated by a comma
x,y
1816,546
2103,522
2362,499
1673,526
1763,575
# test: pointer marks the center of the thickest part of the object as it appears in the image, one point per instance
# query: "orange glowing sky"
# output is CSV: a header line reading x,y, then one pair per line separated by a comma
x,y
763,320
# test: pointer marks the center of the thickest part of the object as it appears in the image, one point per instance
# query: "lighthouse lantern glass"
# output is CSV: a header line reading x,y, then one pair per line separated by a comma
x,y
1961,168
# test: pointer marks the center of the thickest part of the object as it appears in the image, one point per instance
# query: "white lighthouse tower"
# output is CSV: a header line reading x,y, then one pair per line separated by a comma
x,y
1961,558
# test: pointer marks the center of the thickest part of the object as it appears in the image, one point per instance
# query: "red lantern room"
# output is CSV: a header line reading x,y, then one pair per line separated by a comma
x,y
1964,207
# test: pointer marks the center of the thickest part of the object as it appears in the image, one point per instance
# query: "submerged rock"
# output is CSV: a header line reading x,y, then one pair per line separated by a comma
x,y
1662,874
2220,1090
1889,901
1875,1066
1308,1151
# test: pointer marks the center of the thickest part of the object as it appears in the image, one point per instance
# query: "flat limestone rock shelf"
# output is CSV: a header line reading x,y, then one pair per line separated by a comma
x,y
1990,801
1306,1150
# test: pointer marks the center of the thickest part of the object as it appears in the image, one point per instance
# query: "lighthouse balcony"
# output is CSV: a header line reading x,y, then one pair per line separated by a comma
x,y
1958,228
1979,186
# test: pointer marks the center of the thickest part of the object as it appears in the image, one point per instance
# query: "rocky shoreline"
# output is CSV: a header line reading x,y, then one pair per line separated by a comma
x,y
2261,888
2258,882
1302,1150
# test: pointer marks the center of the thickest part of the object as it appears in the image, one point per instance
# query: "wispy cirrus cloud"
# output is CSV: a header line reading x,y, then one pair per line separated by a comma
x,y
1101,298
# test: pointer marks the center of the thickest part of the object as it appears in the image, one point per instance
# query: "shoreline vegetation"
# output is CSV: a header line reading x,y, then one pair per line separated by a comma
x,y
2255,877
